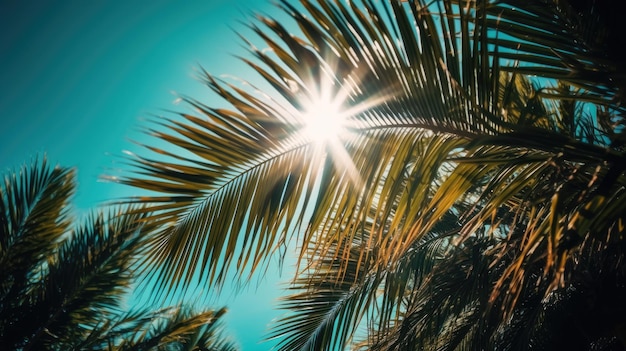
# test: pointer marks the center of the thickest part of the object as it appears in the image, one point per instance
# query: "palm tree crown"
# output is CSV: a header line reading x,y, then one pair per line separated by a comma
x,y
479,173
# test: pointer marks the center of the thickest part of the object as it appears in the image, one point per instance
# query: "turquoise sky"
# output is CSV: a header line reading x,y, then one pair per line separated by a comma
x,y
78,77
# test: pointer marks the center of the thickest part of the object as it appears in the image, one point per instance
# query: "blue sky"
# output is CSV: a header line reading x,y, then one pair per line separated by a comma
x,y
77,79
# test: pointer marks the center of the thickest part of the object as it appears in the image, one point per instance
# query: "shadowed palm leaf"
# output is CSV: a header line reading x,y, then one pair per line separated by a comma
x,y
338,294
176,329
33,220
64,289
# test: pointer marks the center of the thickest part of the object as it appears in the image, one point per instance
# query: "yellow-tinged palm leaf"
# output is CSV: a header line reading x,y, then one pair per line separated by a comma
x,y
433,126
251,171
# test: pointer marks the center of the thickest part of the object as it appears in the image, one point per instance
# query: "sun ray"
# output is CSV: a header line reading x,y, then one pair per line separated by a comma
x,y
329,116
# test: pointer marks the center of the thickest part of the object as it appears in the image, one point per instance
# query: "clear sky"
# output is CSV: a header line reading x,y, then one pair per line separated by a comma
x,y
77,78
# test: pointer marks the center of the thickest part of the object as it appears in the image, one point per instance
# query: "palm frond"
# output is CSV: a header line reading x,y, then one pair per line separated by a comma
x,y
93,270
325,311
250,172
444,310
178,328
65,289
33,220
83,280
341,293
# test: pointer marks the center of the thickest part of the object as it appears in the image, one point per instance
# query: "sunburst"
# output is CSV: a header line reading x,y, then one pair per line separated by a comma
x,y
327,117
323,120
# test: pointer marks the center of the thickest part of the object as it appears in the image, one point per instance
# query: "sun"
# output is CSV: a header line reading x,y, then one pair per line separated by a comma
x,y
330,120
324,116
323,122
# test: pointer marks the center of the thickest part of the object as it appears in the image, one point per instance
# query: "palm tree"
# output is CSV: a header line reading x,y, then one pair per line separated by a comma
x,y
502,121
63,288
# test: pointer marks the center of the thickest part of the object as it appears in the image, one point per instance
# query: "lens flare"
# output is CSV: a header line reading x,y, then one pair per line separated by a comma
x,y
323,122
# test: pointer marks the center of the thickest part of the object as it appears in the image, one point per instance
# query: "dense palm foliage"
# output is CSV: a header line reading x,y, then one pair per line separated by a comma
x,y
475,201
64,287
